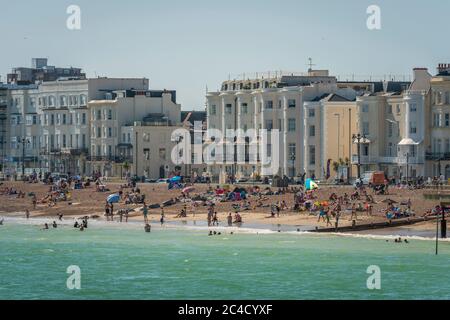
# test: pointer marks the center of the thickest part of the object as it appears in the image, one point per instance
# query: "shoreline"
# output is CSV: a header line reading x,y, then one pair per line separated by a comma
x,y
407,232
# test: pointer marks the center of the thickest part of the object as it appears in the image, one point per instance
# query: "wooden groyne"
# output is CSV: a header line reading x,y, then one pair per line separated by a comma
x,y
373,226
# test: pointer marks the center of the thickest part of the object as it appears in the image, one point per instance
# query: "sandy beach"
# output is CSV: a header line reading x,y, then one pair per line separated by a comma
x,y
89,202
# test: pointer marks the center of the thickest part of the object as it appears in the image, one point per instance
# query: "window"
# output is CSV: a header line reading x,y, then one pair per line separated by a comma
x,y
365,108
311,113
413,127
312,155
413,107
99,114
291,125
213,109
34,120
312,131
447,120
83,118
291,103
365,128
51,101
390,130
110,132
269,125
64,119
52,119
63,101
83,100
147,154
70,119
83,141
64,141
365,150
228,109
244,108
110,114
129,137
269,104
99,132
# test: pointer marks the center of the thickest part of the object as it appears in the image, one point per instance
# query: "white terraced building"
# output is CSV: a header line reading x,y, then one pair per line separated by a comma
x,y
272,103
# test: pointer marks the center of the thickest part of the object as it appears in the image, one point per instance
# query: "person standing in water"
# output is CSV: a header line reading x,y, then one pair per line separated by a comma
x,y
230,220
27,214
145,212
162,217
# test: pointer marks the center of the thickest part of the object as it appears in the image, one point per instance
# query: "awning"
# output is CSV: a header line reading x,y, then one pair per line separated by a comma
x,y
409,142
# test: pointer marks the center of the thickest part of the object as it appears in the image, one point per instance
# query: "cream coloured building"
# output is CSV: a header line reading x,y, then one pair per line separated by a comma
x,y
438,147
130,116
272,103
330,123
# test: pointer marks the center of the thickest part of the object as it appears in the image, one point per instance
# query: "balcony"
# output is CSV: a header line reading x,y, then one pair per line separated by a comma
x,y
432,156
115,159
388,160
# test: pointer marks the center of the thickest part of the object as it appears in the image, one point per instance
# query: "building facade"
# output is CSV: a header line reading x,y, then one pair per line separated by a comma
x,y
438,146
270,104
126,131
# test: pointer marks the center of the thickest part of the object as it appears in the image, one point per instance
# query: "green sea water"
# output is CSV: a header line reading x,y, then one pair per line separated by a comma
x,y
182,263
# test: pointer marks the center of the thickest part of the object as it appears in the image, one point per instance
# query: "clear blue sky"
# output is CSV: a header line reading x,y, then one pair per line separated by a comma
x,y
186,45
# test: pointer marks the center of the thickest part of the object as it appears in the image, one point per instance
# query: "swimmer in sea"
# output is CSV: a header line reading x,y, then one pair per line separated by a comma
x,y
45,226
1,222
55,225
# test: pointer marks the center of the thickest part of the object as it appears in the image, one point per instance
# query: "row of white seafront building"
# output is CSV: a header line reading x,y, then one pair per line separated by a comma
x,y
71,124
57,120
404,126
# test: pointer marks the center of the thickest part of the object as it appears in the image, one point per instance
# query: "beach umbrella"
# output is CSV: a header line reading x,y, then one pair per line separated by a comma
x,y
114,198
310,185
188,189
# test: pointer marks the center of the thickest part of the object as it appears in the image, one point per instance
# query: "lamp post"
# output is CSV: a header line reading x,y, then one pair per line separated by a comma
x,y
24,142
293,158
358,137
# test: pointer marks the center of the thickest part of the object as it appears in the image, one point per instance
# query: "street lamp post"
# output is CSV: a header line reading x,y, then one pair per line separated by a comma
x,y
358,137
24,142
293,158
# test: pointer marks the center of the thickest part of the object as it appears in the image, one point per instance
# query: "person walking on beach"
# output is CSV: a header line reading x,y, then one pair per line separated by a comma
x,y
215,219
107,211
145,212
34,202
354,214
